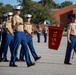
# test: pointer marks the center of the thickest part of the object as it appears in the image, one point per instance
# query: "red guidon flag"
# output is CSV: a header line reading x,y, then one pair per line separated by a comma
x,y
54,37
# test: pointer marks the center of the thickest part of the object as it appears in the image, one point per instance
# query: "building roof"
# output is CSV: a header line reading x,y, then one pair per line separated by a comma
x,y
66,9
53,10
74,9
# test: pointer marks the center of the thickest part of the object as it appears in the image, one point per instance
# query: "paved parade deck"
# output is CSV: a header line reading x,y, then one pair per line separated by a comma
x,y
51,62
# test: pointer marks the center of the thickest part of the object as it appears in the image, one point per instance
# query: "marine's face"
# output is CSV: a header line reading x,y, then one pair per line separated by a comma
x,y
29,19
10,17
6,18
18,12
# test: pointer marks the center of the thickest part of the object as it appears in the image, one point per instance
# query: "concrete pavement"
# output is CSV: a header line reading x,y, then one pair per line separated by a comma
x,y
51,63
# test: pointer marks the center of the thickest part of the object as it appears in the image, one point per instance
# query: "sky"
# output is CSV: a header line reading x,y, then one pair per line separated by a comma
x,y
14,2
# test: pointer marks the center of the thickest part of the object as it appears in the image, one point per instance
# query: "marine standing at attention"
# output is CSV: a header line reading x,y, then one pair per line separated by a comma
x,y
71,38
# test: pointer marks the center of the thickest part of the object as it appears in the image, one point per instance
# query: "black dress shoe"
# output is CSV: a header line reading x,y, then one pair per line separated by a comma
x,y
5,60
12,65
67,63
17,59
37,58
38,42
22,60
29,65
1,59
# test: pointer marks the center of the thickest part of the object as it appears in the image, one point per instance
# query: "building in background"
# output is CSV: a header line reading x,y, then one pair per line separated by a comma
x,y
64,15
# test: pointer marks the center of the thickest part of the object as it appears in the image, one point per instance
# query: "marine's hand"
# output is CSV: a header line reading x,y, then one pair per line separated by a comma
x,y
69,41
12,34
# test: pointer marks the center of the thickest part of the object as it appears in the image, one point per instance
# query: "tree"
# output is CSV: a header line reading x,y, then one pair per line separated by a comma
x,y
8,8
4,9
66,3
38,11
49,3
1,4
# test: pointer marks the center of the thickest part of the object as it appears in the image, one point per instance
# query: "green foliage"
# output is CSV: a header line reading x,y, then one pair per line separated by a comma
x,y
49,3
4,9
66,3
40,10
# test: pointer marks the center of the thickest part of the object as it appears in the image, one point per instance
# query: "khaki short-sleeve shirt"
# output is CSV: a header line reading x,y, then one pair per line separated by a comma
x,y
46,29
72,28
28,27
16,20
8,25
